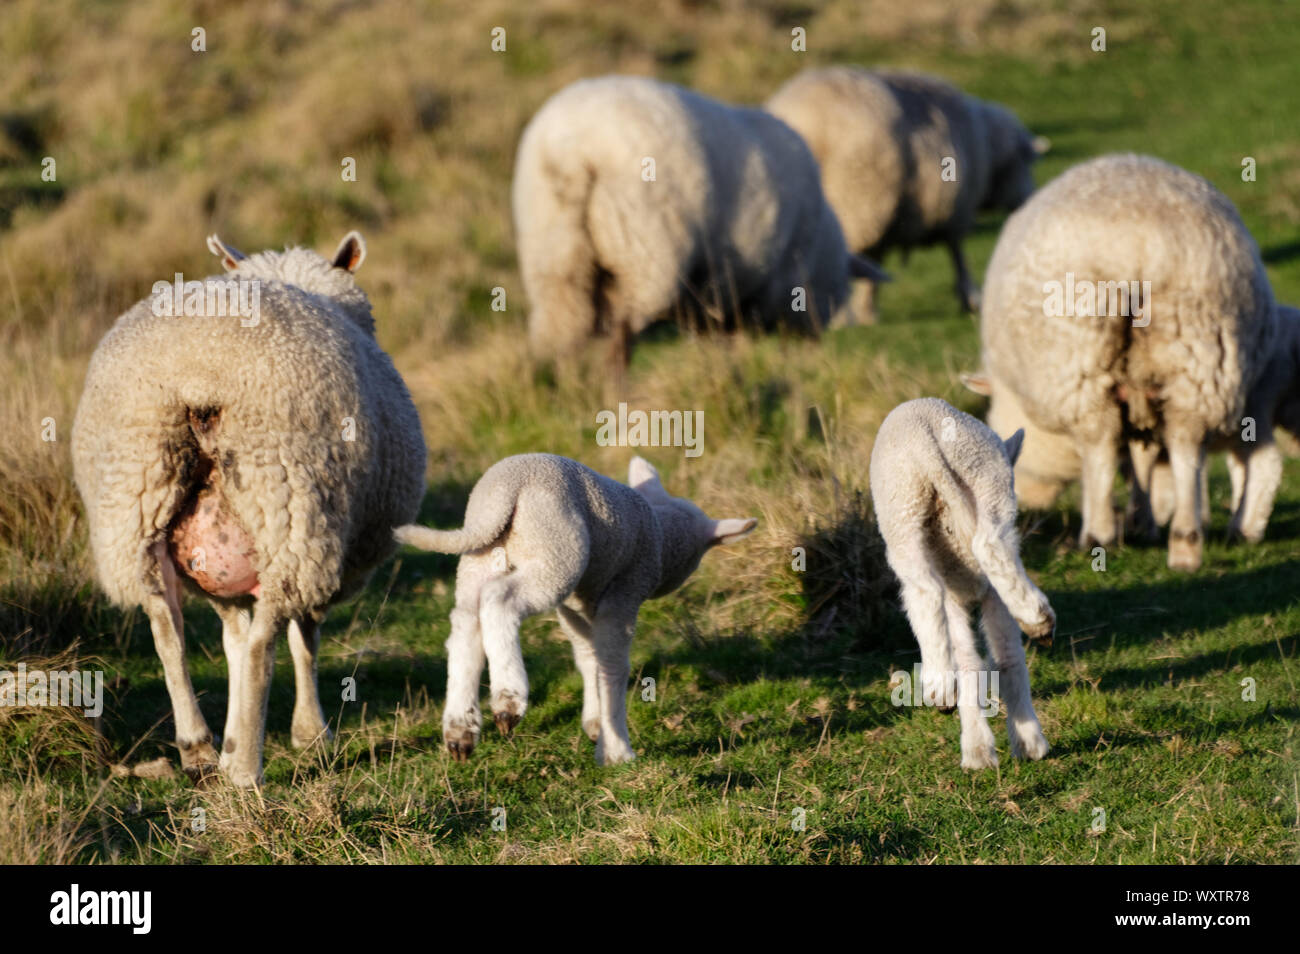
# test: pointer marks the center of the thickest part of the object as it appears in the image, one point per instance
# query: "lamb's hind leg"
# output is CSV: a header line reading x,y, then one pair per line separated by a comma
x,y
978,749
1008,652
922,593
506,602
462,721
1255,481
193,737
308,725
584,658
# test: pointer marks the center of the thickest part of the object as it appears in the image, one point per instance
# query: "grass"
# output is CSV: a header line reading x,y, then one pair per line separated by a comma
x,y
771,685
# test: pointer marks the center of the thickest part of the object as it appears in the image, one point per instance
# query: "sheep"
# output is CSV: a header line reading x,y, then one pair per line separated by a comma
x,y
1254,461
944,497
543,532
907,159
634,199
257,462
1160,340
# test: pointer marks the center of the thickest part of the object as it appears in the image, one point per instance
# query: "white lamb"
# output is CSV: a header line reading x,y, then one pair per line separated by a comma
x,y
944,496
1171,324
544,532
258,461
908,159
634,199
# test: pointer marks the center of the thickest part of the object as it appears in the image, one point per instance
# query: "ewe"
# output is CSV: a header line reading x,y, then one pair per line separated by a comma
x,y
544,532
1173,364
261,463
942,486
908,160
634,198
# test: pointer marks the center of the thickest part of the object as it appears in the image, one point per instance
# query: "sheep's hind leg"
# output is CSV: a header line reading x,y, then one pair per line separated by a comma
x,y
234,634
584,658
462,722
1255,482
922,592
1099,463
193,737
308,725
1003,638
506,602
241,758
1186,459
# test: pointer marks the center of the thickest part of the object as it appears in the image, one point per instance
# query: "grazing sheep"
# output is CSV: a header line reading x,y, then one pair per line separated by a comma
x,y
1125,302
882,139
943,490
261,463
544,532
633,198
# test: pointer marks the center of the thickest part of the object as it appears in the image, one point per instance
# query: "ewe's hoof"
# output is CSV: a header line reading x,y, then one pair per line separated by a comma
x,y
200,762
306,738
506,722
1185,551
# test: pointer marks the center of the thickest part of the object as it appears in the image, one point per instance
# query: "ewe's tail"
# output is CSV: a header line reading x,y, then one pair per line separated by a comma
x,y
483,527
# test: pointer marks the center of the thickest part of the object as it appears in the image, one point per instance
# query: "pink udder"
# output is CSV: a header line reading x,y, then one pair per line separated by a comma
x,y
211,548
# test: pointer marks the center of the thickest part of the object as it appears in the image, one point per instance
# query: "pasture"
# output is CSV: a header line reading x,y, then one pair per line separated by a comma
x,y
770,736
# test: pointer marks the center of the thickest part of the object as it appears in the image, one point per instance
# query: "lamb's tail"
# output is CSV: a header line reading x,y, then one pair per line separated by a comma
x,y
482,529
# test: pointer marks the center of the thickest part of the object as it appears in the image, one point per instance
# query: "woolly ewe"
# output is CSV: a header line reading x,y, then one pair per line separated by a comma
x,y
544,532
634,198
261,464
906,159
942,486
1177,377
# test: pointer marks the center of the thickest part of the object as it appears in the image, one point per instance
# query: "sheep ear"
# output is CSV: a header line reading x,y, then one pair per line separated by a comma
x,y
351,253
1041,145
862,267
229,255
977,382
732,529
642,476
1013,445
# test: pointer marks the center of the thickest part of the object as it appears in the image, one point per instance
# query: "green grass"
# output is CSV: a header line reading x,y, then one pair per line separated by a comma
x,y
772,697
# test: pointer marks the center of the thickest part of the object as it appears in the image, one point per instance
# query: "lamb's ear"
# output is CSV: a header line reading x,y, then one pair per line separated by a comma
x,y
1041,145
1013,445
351,253
978,382
229,255
862,267
642,476
732,529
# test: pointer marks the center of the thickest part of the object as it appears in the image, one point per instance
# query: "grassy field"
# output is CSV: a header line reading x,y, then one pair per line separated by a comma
x,y
771,736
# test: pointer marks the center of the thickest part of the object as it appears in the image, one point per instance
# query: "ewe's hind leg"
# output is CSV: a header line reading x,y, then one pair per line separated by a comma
x,y
1141,517
997,550
977,746
584,658
1099,462
1186,459
308,719
234,634
193,737
1008,652
612,630
241,757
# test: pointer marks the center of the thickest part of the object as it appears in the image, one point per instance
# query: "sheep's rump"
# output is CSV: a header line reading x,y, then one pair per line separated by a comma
x,y
734,209
880,138
300,421
1127,219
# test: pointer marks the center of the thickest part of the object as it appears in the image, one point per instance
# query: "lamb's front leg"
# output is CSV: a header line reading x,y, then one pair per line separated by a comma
x,y
584,658
1003,638
241,757
978,749
193,737
308,726
997,551
1260,474
612,630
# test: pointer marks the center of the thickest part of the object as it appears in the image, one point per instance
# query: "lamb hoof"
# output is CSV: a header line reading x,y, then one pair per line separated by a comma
x,y
979,757
1185,551
1028,742
460,749
591,728
939,690
460,741
1040,630
615,754
506,722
